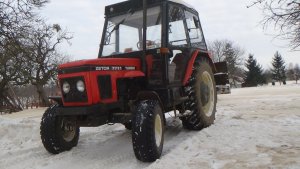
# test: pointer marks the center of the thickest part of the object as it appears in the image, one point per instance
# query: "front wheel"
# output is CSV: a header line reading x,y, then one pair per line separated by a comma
x,y
148,130
58,133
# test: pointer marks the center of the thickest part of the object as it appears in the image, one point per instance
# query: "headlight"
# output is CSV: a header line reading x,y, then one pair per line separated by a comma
x,y
66,87
80,86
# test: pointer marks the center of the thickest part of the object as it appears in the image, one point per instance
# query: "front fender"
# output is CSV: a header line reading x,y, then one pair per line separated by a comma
x,y
57,99
149,95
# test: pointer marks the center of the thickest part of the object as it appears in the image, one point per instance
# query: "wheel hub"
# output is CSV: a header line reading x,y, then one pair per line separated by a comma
x,y
207,93
68,130
204,93
158,130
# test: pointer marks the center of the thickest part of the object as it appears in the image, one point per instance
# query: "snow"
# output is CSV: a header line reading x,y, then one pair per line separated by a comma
x,y
254,128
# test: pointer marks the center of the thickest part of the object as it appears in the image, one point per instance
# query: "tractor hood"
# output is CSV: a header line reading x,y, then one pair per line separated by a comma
x,y
102,64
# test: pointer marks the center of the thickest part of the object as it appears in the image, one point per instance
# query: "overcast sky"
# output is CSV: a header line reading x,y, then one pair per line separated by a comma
x,y
221,19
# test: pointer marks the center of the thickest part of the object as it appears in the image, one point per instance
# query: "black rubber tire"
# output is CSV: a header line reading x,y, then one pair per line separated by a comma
x,y
51,133
128,125
143,130
197,119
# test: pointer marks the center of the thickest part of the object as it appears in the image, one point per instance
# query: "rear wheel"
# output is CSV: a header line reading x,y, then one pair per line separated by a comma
x,y
201,90
58,133
148,130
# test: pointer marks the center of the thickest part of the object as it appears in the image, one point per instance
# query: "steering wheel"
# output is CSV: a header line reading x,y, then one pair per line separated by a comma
x,y
139,45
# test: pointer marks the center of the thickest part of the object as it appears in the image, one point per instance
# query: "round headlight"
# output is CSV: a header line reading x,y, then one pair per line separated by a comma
x,y
80,86
66,87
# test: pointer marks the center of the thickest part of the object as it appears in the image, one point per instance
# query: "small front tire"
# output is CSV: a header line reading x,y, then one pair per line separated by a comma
x,y
58,133
148,130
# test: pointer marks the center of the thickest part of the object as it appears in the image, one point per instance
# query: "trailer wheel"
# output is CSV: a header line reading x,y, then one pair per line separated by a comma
x,y
58,133
201,90
148,130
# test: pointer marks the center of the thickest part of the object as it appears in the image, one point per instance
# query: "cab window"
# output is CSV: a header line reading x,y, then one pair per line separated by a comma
x,y
194,30
177,34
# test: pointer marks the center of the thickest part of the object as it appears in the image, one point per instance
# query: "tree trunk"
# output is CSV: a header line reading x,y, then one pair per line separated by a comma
x,y
42,95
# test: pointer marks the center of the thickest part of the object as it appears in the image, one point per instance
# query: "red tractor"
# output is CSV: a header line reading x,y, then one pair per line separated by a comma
x,y
153,59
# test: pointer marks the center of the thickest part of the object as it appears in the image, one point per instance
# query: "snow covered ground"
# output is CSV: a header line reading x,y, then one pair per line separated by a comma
x,y
254,128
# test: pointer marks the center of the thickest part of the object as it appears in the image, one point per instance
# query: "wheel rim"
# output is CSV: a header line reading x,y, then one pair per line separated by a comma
x,y
207,94
68,130
158,130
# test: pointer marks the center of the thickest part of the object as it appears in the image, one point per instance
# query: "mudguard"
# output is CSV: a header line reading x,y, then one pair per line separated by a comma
x,y
57,99
149,95
191,62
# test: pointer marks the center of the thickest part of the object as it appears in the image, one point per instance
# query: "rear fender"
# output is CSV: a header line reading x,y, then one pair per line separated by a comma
x,y
57,99
189,70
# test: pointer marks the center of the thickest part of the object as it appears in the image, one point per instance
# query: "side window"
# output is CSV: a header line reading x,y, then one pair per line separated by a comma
x,y
194,29
177,35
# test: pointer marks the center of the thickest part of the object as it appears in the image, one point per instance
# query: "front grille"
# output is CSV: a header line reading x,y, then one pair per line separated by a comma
x,y
74,95
104,83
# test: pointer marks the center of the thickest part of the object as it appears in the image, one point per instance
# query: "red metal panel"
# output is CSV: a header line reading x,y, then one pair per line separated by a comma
x,y
189,69
104,62
91,80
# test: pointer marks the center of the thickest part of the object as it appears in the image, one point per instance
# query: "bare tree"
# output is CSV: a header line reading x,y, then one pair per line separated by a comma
x,y
28,47
217,48
43,56
15,15
290,72
226,50
284,15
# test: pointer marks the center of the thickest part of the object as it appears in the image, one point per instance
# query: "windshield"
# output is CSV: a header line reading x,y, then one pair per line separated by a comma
x,y
124,33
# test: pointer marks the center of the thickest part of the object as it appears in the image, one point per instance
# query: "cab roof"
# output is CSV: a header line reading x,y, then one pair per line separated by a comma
x,y
182,2
125,6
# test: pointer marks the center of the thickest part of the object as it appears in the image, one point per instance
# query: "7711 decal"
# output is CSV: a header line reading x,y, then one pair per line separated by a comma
x,y
114,68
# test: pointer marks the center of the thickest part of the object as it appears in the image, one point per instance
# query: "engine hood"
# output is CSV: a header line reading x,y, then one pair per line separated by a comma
x,y
102,64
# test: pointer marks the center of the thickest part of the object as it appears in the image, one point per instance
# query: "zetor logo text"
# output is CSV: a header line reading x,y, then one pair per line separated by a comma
x,y
114,68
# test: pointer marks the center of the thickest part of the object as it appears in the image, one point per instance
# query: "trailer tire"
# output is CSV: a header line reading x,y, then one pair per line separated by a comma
x,y
201,90
53,132
148,130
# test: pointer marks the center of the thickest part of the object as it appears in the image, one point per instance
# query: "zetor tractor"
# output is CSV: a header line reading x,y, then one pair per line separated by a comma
x,y
153,59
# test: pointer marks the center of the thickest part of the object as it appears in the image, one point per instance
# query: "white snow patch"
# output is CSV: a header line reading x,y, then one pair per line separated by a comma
x,y
254,128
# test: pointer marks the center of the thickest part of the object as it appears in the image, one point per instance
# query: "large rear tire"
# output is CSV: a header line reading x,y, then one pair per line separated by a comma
x,y
148,130
58,133
201,90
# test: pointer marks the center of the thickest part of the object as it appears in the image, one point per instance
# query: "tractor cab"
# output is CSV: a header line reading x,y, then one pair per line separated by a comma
x,y
171,35
123,30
